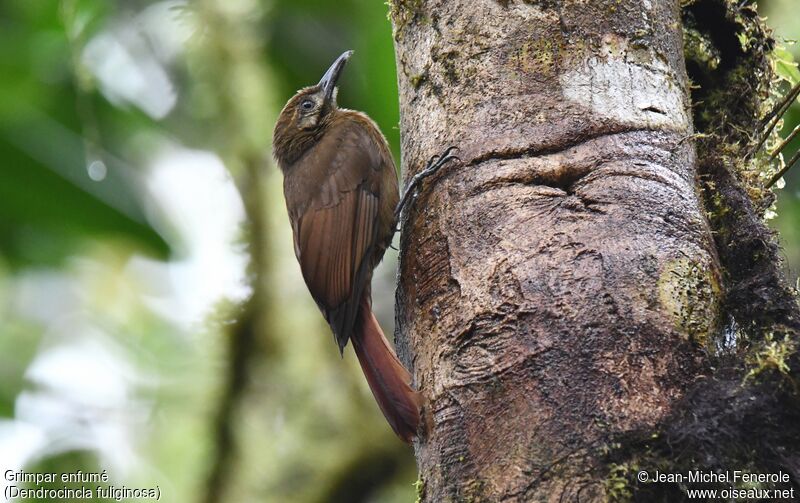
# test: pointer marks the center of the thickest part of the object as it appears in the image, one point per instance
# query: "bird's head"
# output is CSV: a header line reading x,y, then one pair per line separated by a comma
x,y
306,114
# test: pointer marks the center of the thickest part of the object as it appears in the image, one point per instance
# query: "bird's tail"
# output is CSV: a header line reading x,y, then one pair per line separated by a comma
x,y
387,378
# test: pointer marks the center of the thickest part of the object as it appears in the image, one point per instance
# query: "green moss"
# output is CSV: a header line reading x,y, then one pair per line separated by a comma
x,y
419,488
448,61
472,492
690,294
734,64
698,47
731,64
771,355
617,483
538,57
402,13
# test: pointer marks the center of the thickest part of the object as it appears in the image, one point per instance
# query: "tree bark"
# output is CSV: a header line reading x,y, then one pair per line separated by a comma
x,y
559,288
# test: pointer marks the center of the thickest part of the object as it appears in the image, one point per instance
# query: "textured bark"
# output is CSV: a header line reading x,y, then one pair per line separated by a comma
x,y
558,287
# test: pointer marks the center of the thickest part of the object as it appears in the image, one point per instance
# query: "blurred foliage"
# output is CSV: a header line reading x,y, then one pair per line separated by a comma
x,y
781,16
48,204
98,367
96,98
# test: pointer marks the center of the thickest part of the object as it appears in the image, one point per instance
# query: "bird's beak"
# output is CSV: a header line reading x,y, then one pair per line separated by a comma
x,y
328,81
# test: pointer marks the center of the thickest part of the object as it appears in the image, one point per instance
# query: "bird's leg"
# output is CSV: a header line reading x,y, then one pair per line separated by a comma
x,y
410,194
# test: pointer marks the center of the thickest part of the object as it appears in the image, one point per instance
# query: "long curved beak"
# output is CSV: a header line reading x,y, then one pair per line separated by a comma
x,y
328,81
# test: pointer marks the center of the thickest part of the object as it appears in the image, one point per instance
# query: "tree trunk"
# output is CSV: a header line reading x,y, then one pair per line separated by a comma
x,y
560,287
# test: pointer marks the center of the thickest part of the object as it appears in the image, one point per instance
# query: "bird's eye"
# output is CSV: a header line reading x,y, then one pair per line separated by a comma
x,y
307,104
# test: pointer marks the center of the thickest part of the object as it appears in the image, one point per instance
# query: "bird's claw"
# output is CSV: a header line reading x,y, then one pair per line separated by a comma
x,y
434,164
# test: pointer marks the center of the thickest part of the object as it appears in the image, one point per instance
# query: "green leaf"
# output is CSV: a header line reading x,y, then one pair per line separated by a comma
x,y
785,65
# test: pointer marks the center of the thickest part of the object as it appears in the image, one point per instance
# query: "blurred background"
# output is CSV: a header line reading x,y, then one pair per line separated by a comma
x,y
125,129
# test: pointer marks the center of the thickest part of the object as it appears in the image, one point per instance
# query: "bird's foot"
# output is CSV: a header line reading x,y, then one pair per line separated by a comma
x,y
412,191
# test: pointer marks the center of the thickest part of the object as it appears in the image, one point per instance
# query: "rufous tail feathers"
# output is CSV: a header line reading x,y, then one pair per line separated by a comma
x,y
387,378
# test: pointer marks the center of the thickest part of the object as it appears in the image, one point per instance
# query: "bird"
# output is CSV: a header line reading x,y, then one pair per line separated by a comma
x,y
342,197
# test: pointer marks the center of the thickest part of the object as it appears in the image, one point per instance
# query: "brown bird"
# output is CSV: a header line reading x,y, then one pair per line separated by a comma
x,y
341,191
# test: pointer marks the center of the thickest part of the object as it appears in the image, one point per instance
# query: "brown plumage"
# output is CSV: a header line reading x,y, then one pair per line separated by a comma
x,y
341,193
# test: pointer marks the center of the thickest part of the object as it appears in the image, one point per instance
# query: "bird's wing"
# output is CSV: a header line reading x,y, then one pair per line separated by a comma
x,y
336,235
